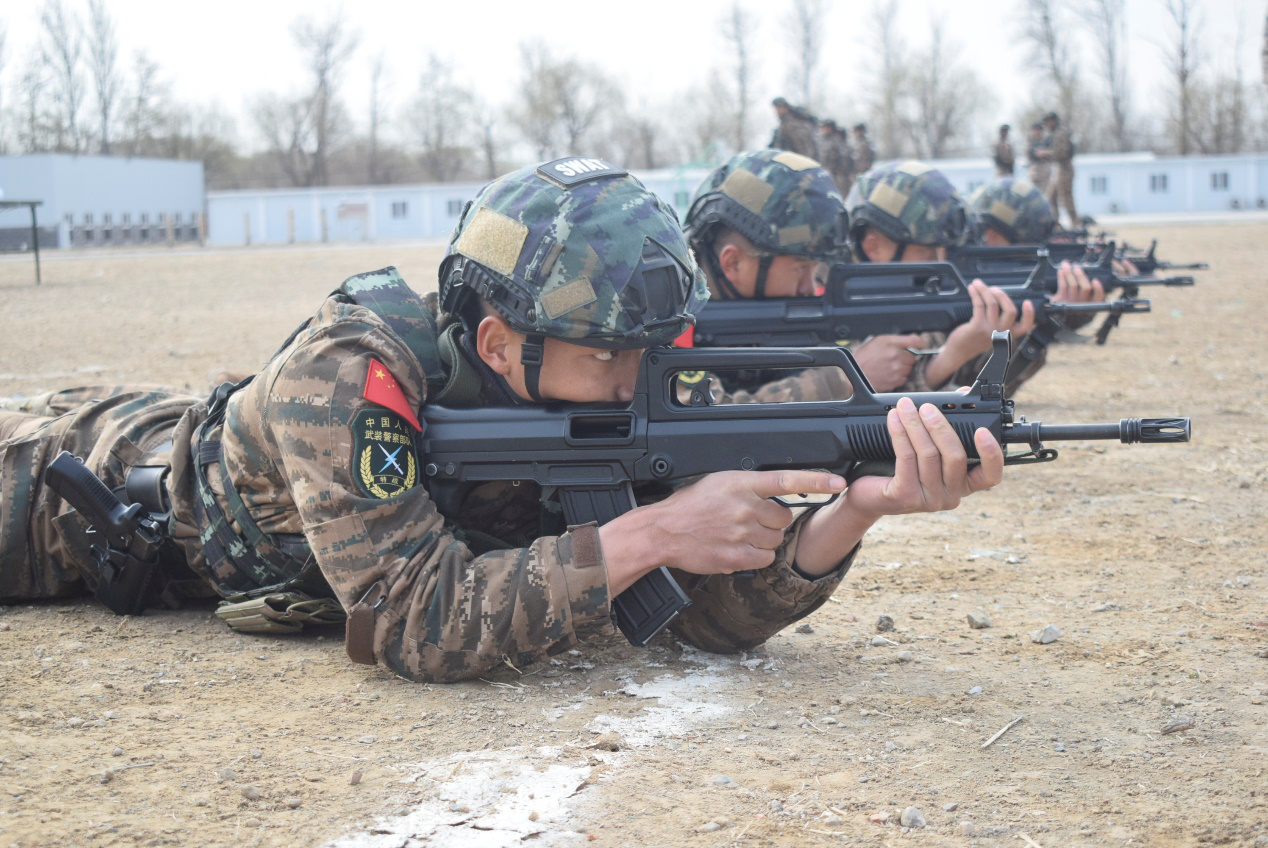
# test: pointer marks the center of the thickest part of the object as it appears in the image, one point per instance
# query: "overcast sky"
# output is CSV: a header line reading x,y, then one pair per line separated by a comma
x,y
228,51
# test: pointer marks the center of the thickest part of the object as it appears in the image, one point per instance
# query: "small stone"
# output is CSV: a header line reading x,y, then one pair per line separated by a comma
x,y
117,752
912,817
250,793
1177,724
1047,635
366,740
979,620
723,781
455,807
1262,653
355,779
967,828
951,808
976,690
533,816
880,642
776,806
292,802
879,817
884,624
805,628
902,657
833,819
227,775
5,627
708,827
256,753
1174,701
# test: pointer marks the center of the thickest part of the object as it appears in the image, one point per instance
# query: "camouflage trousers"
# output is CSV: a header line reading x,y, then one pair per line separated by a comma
x,y
44,547
1040,174
1061,191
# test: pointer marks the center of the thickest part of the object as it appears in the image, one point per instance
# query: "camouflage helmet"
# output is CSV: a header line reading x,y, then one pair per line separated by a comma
x,y
910,203
1015,208
784,203
578,250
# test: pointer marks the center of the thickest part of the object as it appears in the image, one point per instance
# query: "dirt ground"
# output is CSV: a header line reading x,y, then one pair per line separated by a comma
x,y
168,729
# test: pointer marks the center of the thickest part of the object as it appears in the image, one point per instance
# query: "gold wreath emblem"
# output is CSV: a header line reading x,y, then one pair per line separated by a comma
x,y
367,476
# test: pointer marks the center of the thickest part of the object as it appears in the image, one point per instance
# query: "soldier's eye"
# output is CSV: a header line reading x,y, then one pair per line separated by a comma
x,y
605,355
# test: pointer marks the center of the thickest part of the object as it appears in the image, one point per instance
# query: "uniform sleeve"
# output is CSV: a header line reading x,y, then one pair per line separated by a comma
x,y
738,612
440,613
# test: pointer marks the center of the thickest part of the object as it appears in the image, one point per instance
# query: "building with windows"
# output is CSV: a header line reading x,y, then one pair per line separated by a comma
x,y
103,200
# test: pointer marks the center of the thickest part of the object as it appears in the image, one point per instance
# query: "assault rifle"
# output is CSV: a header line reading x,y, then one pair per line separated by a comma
x,y
590,456
863,300
126,539
1002,274
1148,263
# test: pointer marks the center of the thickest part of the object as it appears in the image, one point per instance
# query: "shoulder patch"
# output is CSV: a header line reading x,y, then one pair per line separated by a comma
x,y
384,453
572,171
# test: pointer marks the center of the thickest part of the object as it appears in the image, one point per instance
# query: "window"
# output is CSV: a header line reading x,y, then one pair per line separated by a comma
x,y
87,219
455,207
105,219
127,218
400,209
176,218
1099,185
70,219
1219,181
1158,183
145,217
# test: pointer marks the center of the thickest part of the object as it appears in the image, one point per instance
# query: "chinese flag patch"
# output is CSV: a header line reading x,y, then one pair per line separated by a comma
x,y
381,388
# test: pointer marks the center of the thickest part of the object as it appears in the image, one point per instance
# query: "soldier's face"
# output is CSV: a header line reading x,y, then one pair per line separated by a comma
x,y
788,276
569,372
993,238
881,248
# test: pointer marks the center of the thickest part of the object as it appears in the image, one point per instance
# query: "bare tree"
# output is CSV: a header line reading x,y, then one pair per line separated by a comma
x,y
1108,22
1183,57
564,105
438,117
805,26
143,107
103,54
377,70
3,136
33,132
891,77
945,97
61,46
1042,29
739,31
288,129
534,110
328,45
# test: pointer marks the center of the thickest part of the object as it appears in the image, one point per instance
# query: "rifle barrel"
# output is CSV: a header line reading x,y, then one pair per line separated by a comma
x,y
1128,431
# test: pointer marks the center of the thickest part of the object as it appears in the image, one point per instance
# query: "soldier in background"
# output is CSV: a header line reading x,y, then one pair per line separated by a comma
x,y
796,132
1039,169
835,155
864,153
1060,153
1002,154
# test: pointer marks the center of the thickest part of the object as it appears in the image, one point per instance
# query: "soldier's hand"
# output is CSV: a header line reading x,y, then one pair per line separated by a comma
x,y
722,523
887,360
931,470
993,310
1074,286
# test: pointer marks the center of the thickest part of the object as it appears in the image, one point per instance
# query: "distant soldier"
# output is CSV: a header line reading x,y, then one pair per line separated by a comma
x,y
835,155
1002,153
794,132
1039,168
864,153
1060,153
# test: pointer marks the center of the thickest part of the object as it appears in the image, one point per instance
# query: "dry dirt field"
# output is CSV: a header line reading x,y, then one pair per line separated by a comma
x,y
1145,723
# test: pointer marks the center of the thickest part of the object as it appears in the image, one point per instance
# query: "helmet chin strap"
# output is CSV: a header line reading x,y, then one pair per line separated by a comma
x,y
763,267
532,352
902,248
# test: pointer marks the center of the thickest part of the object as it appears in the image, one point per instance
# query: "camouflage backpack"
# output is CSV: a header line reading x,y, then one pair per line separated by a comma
x,y
910,203
1015,208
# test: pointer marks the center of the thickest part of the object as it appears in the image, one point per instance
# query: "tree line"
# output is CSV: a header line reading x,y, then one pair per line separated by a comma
x,y
74,92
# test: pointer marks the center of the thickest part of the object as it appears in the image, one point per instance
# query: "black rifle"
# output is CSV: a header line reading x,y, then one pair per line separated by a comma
x,y
1002,274
127,539
1148,263
974,258
863,300
590,456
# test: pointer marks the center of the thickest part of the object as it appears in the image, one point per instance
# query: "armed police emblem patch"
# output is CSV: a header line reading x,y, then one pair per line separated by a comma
x,y
384,457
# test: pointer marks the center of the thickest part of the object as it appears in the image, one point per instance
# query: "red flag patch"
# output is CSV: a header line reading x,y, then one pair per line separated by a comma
x,y
381,388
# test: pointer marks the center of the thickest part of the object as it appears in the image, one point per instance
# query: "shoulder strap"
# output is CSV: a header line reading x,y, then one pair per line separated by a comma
x,y
387,295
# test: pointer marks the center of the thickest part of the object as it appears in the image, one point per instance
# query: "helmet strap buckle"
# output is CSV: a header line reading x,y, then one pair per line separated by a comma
x,y
532,352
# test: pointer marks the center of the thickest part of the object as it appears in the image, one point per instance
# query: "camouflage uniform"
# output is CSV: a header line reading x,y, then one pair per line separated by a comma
x,y
1061,189
1002,155
864,154
1039,169
837,158
292,463
796,133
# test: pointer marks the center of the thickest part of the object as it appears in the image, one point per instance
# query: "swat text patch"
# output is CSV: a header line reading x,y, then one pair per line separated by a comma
x,y
572,171
384,456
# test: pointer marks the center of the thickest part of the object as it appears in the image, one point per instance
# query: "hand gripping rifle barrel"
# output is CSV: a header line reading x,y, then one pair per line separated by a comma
x,y
591,455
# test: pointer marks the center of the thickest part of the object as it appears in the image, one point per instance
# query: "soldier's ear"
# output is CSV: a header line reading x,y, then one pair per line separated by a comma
x,y
730,258
498,344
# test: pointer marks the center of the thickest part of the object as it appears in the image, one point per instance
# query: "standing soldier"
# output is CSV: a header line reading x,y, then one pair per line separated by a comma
x,y
1003,154
794,132
1060,153
864,153
1039,168
835,155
